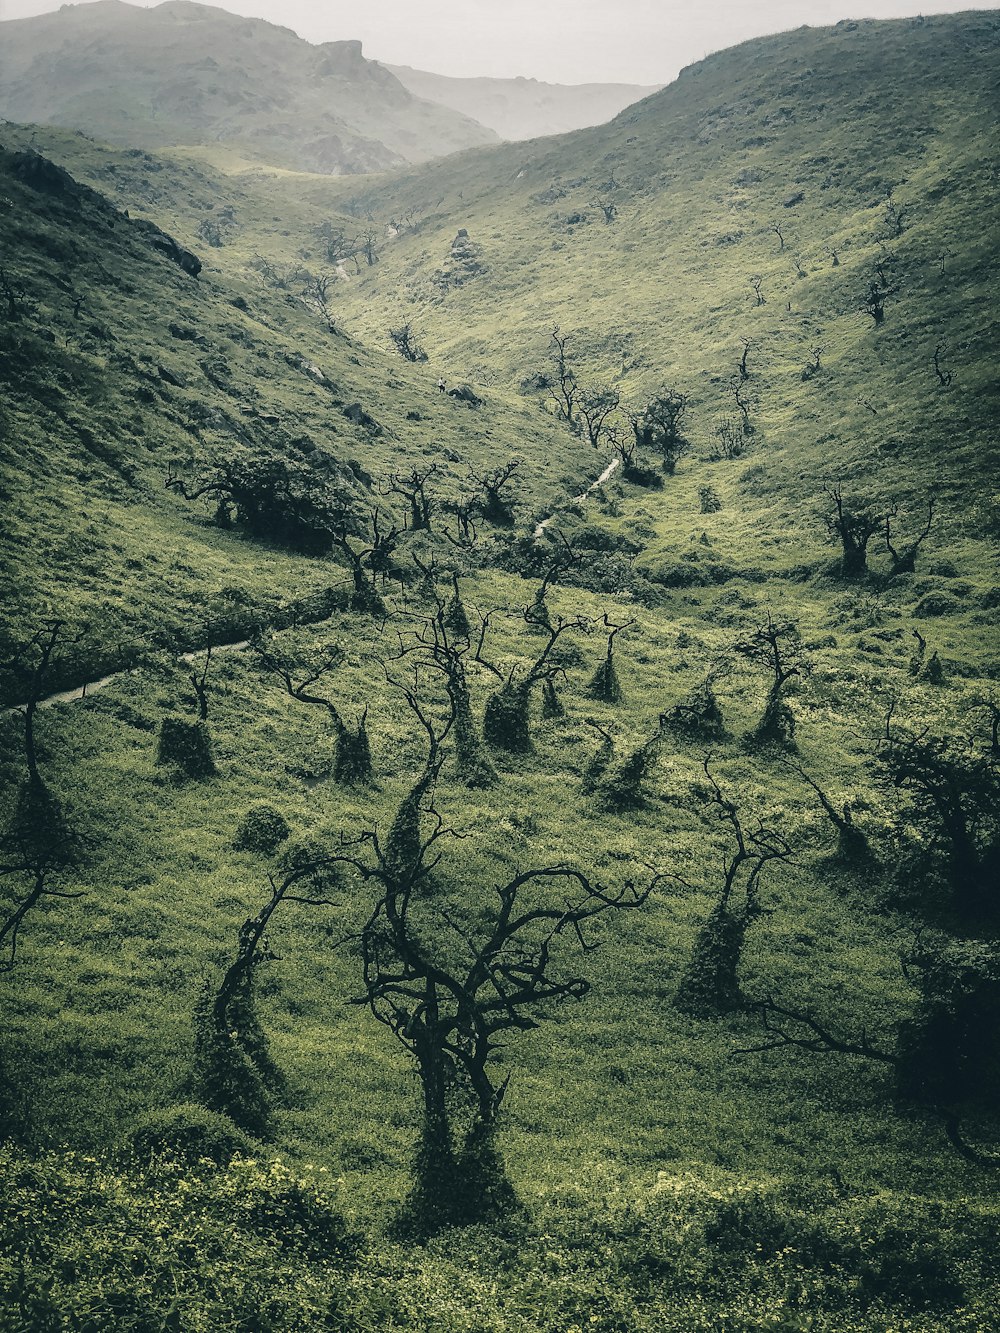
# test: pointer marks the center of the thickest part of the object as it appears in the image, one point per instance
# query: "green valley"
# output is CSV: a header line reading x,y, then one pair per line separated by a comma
x,y
526,856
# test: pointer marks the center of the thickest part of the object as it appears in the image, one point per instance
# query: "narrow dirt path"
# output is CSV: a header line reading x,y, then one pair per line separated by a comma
x,y
92,686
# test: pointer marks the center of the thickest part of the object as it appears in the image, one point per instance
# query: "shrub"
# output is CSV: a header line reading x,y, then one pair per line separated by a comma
x,y
262,829
189,1133
187,746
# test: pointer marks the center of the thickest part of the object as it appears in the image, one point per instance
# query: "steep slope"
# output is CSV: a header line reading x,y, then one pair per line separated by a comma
x,y
185,73
523,108
814,162
119,364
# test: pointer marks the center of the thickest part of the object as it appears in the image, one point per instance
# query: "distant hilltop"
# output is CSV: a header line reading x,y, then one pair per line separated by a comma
x,y
524,108
192,75
189,74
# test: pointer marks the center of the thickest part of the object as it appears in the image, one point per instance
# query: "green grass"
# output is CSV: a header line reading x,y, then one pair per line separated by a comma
x,y
626,1123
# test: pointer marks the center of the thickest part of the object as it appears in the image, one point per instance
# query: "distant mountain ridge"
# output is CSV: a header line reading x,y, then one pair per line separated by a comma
x,y
524,108
190,74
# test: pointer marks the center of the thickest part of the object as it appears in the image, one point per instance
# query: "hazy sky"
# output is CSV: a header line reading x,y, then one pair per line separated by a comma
x,y
562,41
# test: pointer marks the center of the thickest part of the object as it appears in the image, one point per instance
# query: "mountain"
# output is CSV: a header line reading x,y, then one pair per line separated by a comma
x,y
349,635
190,74
523,108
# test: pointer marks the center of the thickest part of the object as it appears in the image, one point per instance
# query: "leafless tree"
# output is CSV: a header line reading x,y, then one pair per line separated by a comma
x,y
299,675
491,502
413,489
604,684
406,344
776,647
853,848
904,561
565,390
506,721
38,845
757,283
710,984
234,1072
316,295
853,525
454,985
748,345
597,406
944,376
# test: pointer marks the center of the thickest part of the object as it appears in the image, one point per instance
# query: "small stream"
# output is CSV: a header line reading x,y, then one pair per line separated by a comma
x,y
577,499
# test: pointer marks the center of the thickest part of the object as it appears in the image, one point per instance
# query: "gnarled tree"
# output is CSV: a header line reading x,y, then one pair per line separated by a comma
x,y
776,647
296,502
658,427
853,525
299,674
710,984
506,720
954,789
453,984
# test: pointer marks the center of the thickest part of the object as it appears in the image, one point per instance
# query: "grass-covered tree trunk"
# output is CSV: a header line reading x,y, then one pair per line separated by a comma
x,y
710,984
506,720
472,761
352,762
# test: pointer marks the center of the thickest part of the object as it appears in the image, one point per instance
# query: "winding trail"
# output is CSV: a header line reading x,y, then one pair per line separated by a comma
x,y
92,686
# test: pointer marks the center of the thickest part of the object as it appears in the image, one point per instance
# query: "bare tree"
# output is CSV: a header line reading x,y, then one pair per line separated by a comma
x,y
880,288
38,846
744,401
757,283
777,648
904,561
944,1054
352,760
954,789
565,390
316,295
406,344
710,984
748,345
491,502
234,1072
413,489
853,848
506,721
604,684
596,406
452,986
368,243
853,525
444,642
944,376
562,559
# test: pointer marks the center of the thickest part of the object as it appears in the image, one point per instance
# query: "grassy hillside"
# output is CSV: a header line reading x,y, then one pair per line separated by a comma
x,y
184,73
675,1166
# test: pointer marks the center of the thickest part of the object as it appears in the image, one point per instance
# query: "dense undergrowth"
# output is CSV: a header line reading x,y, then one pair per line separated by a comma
x,y
673,1166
